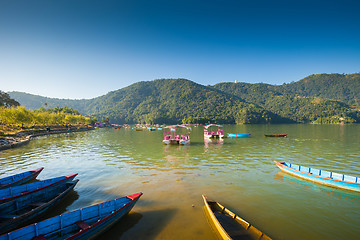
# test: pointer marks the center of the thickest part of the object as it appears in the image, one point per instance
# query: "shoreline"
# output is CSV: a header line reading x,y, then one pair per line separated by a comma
x,y
24,137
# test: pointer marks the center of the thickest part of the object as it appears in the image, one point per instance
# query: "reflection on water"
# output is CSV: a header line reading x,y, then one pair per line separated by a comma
x,y
239,173
334,192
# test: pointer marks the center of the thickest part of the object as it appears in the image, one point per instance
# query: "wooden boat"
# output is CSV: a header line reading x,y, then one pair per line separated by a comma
x,y
238,135
19,179
215,131
275,135
84,223
15,213
229,225
320,176
9,194
179,134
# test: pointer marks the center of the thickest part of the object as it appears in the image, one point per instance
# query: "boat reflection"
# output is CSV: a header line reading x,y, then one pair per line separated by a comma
x,y
209,141
177,155
336,192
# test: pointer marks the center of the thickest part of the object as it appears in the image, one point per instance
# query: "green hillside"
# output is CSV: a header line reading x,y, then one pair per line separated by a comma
x,y
313,99
292,105
33,102
171,100
341,87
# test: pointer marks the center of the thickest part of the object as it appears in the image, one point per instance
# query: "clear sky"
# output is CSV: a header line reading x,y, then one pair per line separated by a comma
x,y
86,48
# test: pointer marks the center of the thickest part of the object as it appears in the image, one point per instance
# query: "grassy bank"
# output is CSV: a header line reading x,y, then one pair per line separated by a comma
x,y
17,119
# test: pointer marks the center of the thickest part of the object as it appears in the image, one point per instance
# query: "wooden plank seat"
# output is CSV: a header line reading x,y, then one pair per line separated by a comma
x,y
82,225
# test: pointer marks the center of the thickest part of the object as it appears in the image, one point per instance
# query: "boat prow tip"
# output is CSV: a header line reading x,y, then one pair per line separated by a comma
x,y
134,196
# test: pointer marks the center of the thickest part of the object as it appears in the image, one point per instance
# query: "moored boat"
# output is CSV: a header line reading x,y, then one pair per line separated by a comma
x,y
19,179
229,225
275,135
12,193
238,135
179,134
84,223
320,176
215,131
15,213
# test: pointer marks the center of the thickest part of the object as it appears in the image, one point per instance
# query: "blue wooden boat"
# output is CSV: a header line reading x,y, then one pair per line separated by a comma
x,y
11,193
238,135
15,213
19,179
320,176
84,223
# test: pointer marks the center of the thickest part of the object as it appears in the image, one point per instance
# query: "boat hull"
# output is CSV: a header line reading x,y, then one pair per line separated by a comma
x,y
322,177
91,221
275,135
184,142
17,192
19,179
213,136
240,135
171,142
31,207
229,225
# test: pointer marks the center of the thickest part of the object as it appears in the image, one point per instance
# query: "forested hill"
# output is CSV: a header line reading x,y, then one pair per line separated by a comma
x,y
172,100
341,87
31,101
308,100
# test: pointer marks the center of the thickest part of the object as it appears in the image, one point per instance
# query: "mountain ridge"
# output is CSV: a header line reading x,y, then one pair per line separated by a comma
x,y
311,99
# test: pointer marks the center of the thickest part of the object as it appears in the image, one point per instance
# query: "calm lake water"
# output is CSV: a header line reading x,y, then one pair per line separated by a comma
x,y
239,173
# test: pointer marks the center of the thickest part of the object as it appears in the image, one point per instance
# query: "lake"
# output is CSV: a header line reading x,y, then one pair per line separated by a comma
x,y
239,173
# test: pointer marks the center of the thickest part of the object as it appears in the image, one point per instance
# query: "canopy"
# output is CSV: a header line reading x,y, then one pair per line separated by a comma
x,y
212,125
175,126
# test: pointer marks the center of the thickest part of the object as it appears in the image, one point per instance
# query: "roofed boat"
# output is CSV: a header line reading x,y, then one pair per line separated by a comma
x,y
19,179
11,193
176,135
84,223
275,135
238,135
15,213
320,176
229,225
215,131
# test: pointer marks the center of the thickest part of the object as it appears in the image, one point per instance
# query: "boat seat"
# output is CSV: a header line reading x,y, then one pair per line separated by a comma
x,y
82,225
40,237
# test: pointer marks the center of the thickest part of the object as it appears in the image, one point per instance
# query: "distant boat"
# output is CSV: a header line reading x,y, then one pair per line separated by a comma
x,y
179,134
12,193
84,223
320,176
275,135
238,135
215,131
19,179
15,213
229,225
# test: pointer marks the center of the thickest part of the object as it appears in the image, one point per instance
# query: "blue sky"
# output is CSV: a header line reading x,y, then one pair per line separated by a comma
x,y
84,48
